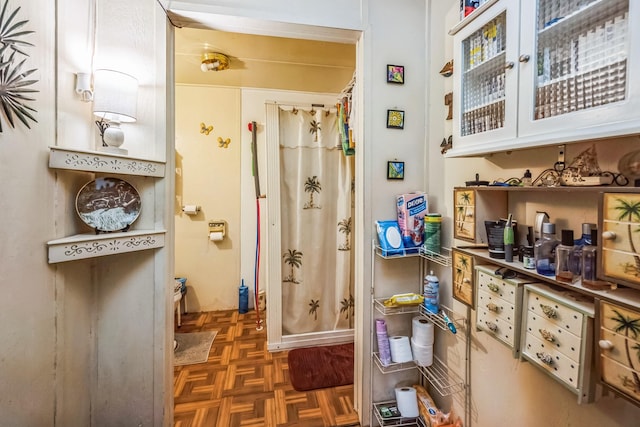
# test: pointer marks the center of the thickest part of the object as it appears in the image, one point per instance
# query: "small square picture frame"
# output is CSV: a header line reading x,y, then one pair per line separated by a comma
x,y
395,74
462,266
395,119
395,170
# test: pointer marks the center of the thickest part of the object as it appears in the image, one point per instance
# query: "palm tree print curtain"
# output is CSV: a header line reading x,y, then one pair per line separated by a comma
x,y
316,177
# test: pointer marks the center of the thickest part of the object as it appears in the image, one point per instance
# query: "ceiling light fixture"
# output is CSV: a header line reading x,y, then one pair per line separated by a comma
x,y
214,61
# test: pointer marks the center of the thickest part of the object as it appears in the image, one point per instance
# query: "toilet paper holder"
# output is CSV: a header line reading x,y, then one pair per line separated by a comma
x,y
218,226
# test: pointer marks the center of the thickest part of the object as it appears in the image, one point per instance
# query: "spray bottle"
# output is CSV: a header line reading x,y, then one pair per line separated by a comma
x,y
431,290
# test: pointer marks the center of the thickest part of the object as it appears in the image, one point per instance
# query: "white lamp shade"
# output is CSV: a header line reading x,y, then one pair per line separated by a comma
x,y
115,96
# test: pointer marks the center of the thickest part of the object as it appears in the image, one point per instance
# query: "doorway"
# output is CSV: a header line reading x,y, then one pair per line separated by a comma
x,y
246,97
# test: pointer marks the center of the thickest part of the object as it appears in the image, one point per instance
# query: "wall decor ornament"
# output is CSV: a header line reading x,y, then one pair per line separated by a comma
x,y
395,119
395,170
14,90
462,275
395,74
205,129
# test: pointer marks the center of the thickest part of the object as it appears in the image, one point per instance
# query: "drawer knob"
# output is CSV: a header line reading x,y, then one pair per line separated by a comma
x,y
609,235
605,344
545,358
493,287
547,335
549,311
492,326
492,307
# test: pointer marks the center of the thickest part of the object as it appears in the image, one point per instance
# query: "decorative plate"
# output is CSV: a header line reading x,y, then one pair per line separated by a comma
x,y
108,204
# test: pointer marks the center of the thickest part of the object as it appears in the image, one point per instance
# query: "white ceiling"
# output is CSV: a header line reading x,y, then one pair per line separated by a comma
x,y
259,61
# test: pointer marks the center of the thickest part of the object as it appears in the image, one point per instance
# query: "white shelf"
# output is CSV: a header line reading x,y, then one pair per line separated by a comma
x,y
96,161
438,319
83,246
473,15
446,382
395,421
400,309
393,367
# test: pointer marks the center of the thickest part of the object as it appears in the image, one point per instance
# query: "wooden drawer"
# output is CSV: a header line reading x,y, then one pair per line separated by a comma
x,y
615,318
500,307
620,377
493,284
567,318
619,343
555,312
500,328
559,338
554,362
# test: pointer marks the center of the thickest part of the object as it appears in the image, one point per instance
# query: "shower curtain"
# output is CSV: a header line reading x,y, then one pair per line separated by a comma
x,y
316,211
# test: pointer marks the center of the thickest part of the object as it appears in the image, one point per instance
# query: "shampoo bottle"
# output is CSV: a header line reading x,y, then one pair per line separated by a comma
x,y
589,261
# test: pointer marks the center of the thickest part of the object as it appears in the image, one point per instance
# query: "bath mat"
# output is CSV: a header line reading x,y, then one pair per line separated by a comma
x,y
193,347
321,367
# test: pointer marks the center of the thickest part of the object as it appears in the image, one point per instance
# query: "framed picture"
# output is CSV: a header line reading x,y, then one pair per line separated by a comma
x,y
395,119
395,74
464,203
395,170
462,275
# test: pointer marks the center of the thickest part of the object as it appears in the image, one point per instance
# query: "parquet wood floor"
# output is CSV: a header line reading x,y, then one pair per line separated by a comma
x,y
243,384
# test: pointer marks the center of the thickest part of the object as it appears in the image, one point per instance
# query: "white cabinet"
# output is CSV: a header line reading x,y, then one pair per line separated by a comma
x,y
533,73
499,306
91,245
557,333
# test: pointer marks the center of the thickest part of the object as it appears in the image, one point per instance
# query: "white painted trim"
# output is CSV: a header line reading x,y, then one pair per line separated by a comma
x,y
94,161
313,339
274,229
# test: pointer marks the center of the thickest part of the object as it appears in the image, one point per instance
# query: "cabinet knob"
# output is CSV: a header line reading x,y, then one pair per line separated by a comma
x,y
492,326
524,58
546,335
509,65
609,235
493,287
605,344
545,358
549,311
492,307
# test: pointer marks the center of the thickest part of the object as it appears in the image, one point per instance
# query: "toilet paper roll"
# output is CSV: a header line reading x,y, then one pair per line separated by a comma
x,y
400,349
216,236
422,331
190,209
407,402
422,354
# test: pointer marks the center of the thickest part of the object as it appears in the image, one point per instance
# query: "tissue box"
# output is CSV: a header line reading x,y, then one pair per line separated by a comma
x,y
389,238
411,209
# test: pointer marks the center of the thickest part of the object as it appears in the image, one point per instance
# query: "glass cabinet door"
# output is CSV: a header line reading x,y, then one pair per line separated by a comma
x,y
485,85
579,62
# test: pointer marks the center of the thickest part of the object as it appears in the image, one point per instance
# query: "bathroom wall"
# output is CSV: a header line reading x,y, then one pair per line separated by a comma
x,y
220,180
208,175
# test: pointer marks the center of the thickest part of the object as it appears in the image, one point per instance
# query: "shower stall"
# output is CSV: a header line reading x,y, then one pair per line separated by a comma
x,y
309,254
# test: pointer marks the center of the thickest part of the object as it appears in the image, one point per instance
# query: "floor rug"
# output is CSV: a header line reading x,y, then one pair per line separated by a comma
x,y
320,367
193,347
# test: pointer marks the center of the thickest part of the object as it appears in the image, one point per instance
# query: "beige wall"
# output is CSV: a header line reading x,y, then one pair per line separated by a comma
x,y
209,176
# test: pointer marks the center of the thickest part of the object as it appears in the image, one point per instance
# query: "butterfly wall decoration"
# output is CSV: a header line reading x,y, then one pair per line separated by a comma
x,y
224,143
205,129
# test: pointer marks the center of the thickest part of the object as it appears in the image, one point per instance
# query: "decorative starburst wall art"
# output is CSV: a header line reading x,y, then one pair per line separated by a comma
x,y
14,85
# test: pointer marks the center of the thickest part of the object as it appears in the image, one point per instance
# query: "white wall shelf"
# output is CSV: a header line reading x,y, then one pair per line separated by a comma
x,y
95,161
83,246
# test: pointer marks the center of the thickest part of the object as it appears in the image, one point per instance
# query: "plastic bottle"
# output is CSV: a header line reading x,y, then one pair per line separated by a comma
x,y
527,179
508,241
589,260
544,250
431,291
585,239
565,259
432,225
243,298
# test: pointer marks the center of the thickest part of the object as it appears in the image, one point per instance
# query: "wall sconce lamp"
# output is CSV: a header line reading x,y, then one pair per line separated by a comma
x,y
214,61
115,97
